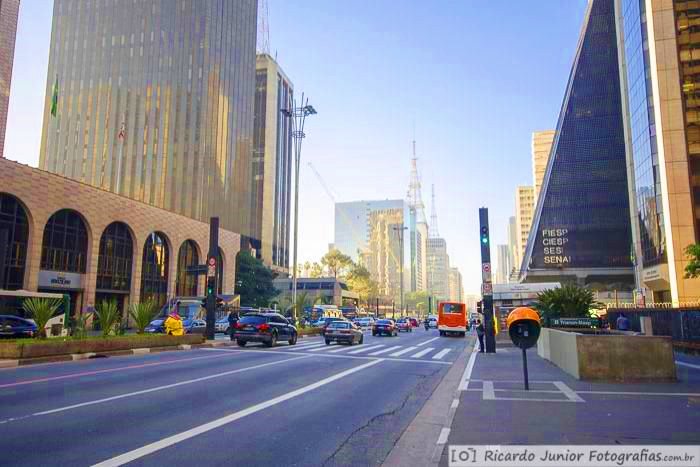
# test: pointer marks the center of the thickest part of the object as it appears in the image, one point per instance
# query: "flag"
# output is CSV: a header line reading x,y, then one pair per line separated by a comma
x,y
122,132
54,98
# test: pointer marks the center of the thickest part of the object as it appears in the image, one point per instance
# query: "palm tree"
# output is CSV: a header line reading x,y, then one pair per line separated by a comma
x,y
41,311
108,316
568,301
142,314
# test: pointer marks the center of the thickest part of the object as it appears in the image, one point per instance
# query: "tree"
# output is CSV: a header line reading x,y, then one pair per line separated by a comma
x,y
360,282
568,301
315,270
41,310
254,281
692,270
417,301
142,314
336,262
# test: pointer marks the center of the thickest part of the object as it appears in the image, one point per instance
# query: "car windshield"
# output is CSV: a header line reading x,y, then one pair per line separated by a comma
x,y
255,319
385,321
339,325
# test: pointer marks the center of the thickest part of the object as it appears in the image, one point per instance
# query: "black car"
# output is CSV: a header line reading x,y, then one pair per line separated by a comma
x,y
385,326
268,328
14,326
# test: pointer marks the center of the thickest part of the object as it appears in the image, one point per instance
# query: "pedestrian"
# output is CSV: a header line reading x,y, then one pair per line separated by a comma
x,y
623,324
173,325
232,321
480,334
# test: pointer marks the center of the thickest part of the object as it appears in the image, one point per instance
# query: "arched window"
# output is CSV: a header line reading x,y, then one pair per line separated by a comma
x,y
64,247
186,284
114,260
220,272
154,271
13,221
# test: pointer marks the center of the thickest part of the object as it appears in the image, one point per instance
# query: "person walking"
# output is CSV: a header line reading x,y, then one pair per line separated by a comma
x,y
480,334
232,321
623,323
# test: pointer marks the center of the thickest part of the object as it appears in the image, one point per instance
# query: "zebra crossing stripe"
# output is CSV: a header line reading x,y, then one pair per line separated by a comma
x,y
366,349
441,354
385,350
401,352
422,352
341,349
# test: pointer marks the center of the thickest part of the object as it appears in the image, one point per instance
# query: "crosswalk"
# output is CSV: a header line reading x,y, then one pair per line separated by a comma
x,y
370,350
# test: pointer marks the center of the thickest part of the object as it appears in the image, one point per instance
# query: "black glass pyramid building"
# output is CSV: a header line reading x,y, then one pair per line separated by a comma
x,y
581,224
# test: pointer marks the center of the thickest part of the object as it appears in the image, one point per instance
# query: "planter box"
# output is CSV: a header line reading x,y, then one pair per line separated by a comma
x,y
609,357
48,348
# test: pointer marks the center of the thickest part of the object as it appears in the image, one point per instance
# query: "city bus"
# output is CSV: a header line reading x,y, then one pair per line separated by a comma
x,y
11,304
452,318
319,312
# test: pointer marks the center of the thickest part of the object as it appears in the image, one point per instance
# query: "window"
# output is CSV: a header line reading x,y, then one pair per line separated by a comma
x,y
13,220
64,247
154,271
186,284
115,258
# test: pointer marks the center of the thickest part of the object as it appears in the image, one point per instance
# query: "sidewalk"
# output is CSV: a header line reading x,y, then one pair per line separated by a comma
x,y
495,409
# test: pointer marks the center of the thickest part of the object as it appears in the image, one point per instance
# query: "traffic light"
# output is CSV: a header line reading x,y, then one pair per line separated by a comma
x,y
480,307
485,235
211,285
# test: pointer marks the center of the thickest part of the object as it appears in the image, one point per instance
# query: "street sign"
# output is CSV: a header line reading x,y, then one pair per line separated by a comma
x,y
486,267
211,267
486,288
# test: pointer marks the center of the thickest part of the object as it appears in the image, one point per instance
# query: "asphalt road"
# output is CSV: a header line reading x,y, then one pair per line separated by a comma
x,y
308,404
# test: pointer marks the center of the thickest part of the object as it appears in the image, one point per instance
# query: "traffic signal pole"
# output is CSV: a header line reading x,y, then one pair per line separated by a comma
x,y
212,258
486,285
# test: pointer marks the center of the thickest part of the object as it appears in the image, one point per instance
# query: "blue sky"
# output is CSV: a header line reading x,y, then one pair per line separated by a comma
x,y
474,78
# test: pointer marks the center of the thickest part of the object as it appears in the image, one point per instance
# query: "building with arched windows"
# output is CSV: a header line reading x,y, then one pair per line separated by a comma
x,y
67,236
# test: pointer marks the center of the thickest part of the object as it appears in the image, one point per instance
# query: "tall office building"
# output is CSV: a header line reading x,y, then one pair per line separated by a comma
x,y
353,227
524,210
438,269
513,248
541,146
272,164
9,12
155,101
455,283
382,257
504,266
658,43
581,230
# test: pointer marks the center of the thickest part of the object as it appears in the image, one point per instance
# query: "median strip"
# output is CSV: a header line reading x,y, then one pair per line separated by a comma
x,y
185,435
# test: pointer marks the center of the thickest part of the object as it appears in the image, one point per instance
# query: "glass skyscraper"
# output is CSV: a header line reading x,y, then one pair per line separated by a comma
x,y
581,226
154,101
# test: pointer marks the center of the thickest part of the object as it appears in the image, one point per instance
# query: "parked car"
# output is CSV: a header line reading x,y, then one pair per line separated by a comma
x,y
404,324
343,332
268,328
385,326
190,311
14,326
414,322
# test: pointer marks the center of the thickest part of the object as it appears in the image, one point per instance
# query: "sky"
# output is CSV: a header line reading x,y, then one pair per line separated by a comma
x,y
469,80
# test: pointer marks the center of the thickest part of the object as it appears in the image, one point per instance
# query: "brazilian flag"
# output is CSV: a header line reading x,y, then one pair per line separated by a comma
x,y
54,98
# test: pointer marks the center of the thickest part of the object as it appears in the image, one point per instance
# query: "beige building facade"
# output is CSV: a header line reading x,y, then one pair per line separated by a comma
x,y
383,255
541,147
661,96
69,237
9,12
524,211
456,289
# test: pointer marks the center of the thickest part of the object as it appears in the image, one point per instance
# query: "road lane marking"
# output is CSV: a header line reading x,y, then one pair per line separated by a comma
x,y
487,389
429,340
158,388
191,433
567,391
455,403
366,349
341,349
425,351
464,384
401,352
441,354
444,434
379,352
105,370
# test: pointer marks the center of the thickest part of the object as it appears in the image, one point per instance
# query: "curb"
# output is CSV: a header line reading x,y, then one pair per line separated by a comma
x,y
423,440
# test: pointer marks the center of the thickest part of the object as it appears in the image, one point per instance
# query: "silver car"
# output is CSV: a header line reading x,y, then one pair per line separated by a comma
x,y
343,332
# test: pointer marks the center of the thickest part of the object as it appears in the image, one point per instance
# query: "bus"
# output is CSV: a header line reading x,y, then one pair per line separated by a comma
x,y
11,304
452,318
319,312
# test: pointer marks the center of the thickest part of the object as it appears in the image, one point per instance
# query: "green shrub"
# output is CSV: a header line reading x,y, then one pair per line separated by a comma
x,y
41,311
108,316
80,323
142,314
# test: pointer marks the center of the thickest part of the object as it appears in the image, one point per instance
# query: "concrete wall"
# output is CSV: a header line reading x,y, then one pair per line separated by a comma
x,y
609,357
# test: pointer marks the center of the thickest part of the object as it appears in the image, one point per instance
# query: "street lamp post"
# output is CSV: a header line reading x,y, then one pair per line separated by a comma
x,y
297,117
400,230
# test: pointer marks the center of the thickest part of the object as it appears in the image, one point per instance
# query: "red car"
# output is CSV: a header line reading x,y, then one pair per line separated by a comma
x,y
414,322
404,324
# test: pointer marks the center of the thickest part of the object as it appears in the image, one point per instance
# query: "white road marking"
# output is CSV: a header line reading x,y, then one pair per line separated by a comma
x,y
185,435
444,434
425,351
488,392
429,340
441,354
304,347
379,352
464,384
689,365
631,393
343,348
325,347
567,391
167,386
401,352
366,349
455,403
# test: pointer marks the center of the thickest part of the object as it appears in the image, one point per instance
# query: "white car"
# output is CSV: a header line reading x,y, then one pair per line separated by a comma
x,y
365,323
221,325
432,322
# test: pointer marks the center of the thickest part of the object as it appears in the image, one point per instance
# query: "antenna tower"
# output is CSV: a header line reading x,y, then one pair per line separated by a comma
x,y
263,27
415,199
433,231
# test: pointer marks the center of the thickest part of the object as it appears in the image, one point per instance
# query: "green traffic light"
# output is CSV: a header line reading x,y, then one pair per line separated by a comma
x,y
484,240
